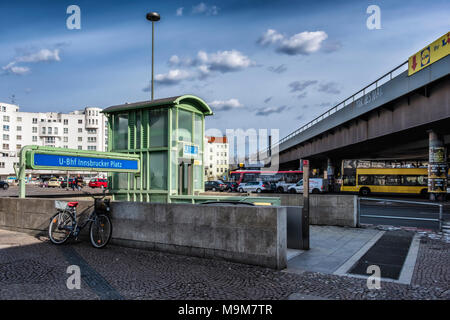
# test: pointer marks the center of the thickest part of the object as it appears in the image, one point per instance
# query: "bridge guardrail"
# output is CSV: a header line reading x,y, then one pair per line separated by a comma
x,y
375,84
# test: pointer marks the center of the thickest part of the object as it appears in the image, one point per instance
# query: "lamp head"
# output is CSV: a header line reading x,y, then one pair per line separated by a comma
x,y
153,16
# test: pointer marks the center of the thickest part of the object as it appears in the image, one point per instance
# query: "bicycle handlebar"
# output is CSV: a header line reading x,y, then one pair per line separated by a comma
x,y
93,196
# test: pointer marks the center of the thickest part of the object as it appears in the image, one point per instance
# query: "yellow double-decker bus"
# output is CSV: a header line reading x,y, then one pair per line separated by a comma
x,y
387,180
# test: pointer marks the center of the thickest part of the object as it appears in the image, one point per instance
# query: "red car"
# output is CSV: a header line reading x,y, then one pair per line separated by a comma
x,y
98,183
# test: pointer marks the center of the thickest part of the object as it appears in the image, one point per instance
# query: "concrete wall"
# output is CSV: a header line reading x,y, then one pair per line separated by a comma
x,y
324,209
252,235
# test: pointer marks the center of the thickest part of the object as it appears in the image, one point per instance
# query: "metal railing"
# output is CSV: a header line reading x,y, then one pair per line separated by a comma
x,y
439,220
375,84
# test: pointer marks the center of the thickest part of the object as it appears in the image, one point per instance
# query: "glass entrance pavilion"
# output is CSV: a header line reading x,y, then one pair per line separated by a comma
x,y
167,134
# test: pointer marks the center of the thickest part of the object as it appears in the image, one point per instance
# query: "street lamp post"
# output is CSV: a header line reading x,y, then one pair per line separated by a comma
x,y
153,17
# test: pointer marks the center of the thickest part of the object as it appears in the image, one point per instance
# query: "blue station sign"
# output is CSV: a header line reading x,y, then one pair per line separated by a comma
x,y
69,162
190,150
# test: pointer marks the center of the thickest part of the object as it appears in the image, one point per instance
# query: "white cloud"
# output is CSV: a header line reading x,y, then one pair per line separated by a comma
x,y
301,43
224,61
202,8
42,55
329,87
172,77
270,37
219,105
11,68
179,12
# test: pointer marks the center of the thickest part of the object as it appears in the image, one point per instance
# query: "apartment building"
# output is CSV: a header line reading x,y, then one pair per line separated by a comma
x,y
215,160
82,130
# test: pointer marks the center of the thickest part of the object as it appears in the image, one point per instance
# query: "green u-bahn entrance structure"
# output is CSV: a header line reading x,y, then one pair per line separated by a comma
x,y
167,134
155,153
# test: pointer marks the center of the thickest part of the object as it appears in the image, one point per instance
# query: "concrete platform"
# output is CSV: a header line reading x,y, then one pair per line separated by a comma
x,y
331,247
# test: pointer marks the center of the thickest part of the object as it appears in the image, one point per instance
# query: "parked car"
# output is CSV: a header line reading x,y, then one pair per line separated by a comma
x,y
316,185
231,186
4,185
282,186
54,183
98,183
255,186
214,186
64,183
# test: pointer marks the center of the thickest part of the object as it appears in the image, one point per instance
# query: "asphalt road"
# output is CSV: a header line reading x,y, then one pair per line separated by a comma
x,y
400,214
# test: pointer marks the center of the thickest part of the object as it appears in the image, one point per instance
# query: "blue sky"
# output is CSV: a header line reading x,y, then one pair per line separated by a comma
x,y
260,64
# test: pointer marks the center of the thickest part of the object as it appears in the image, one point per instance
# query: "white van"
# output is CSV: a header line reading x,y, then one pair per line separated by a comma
x,y
316,185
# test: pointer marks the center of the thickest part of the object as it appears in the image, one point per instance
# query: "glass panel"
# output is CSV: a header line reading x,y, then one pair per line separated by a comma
x,y
158,128
184,125
198,130
174,170
121,132
197,177
120,180
174,127
138,130
158,170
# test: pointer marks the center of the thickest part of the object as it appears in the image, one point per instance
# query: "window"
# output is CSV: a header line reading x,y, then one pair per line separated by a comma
x,y
56,130
94,148
349,180
6,137
50,140
19,146
158,128
6,118
66,139
43,130
18,137
19,119
35,120
2,164
19,128
80,130
66,147
92,139
66,130
49,130
158,170
5,128
80,139
364,179
80,148
34,138
91,131
66,121
34,130
185,125
5,146
4,109
120,131
80,121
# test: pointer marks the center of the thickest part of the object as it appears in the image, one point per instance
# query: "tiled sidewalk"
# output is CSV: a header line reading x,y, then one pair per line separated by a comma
x,y
32,268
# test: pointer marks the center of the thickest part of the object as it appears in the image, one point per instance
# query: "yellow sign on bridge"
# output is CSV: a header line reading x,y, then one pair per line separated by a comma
x,y
430,54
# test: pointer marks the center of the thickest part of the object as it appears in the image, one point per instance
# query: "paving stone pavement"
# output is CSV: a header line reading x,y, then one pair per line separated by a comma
x,y
32,268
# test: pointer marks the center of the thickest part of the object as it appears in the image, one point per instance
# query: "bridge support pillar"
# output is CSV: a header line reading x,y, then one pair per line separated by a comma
x,y
330,175
437,167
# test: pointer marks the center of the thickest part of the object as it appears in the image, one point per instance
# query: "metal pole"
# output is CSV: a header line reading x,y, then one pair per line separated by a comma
x,y
305,211
440,217
153,51
358,213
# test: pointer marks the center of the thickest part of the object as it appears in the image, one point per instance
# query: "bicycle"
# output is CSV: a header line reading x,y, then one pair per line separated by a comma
x,y
64,223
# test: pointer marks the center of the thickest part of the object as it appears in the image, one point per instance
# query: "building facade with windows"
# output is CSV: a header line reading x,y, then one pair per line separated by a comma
x,y
216,154
84,130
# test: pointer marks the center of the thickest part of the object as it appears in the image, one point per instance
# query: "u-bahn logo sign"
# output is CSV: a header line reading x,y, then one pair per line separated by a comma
x,y
430,54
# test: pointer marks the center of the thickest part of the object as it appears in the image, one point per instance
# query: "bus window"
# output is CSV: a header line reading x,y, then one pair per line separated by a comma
x,y
349,181
379,180
410,181
394,180
365,179
422,180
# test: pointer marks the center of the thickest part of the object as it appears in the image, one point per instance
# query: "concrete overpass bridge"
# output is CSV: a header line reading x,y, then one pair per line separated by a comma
x,y
391,119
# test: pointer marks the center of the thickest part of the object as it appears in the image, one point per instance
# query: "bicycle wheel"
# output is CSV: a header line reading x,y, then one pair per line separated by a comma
x,y
100,231
60,227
